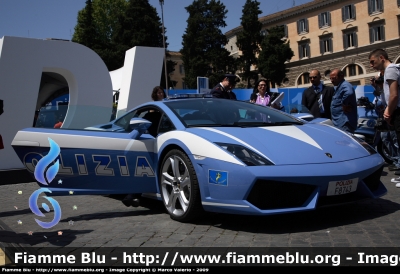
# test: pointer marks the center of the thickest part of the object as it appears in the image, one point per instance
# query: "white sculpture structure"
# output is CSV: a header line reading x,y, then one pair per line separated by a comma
x,y
22,62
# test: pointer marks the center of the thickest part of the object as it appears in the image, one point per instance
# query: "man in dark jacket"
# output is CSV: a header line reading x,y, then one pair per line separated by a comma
x,y
318,97
224,89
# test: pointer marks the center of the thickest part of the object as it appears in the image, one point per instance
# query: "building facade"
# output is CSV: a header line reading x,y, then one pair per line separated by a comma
x,y
329,34
179,73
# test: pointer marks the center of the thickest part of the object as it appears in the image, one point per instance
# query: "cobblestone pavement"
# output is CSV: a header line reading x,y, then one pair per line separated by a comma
x,y
100,221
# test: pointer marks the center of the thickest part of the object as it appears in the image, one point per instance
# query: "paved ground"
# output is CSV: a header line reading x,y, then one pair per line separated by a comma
x,y
100,221
105,221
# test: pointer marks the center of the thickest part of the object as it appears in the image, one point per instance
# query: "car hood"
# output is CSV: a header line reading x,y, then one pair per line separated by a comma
x,y
293,144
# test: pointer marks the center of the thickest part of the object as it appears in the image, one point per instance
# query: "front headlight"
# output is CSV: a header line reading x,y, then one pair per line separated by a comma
x,y
248,157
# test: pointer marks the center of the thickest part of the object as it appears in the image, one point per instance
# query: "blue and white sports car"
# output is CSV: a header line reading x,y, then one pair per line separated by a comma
x,y
206,154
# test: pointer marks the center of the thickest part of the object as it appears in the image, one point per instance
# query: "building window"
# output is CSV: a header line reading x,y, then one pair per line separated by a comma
x,y
181,69
325,44
324,19
375,6
304,50
184,85
350,38
352,70
285,29
376,33
302,26
398,23
304,79
348,12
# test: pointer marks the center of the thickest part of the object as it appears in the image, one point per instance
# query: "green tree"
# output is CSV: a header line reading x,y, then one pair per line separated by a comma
x,y
85,31
111,27
106,14
275,51
203,52
139,25
249,39
96,24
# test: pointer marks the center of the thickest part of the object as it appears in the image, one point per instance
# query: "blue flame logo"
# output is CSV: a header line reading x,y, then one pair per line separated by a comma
x,y
45,177
33,206
51,172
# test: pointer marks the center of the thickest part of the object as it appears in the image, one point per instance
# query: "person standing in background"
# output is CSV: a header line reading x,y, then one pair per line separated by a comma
x,y
158,94
318,97
262,95
224,89
344,103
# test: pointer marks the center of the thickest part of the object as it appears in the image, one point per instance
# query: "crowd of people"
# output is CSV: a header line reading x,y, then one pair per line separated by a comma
x,y
388,89
339,102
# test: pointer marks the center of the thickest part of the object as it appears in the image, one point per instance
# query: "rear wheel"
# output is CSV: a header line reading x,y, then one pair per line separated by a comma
x,y
179,187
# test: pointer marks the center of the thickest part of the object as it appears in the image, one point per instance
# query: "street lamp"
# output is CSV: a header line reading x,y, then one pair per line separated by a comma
x,y
165,49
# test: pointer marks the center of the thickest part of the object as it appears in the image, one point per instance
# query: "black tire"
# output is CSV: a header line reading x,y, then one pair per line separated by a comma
x,y
179,187
383,151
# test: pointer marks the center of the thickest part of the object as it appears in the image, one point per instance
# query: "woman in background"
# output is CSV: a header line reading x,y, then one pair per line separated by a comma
x,y
158,94
262,96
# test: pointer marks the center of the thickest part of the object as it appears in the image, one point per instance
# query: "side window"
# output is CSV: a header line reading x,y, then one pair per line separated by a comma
x,y
124,120
141,113
153,115
165,125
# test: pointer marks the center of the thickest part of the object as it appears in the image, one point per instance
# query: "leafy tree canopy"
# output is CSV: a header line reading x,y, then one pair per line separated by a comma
x,y
111,27
275,51
203,52
249,39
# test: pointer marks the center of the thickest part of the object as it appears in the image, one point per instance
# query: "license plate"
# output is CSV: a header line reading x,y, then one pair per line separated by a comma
x,y
342,187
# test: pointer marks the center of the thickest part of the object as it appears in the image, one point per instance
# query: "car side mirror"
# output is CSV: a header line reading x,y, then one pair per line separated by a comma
x,y
138,126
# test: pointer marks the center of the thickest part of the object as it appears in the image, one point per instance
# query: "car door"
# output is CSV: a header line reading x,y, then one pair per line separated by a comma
x,y
92,161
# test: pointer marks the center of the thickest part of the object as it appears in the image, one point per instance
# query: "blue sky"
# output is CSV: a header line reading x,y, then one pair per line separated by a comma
x,y
57,18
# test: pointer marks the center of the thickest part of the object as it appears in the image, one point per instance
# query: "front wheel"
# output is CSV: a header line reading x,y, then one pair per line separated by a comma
x,y
179,187
384,152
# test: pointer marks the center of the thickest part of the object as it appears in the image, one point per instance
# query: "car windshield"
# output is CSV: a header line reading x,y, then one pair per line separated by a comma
x,y
222,112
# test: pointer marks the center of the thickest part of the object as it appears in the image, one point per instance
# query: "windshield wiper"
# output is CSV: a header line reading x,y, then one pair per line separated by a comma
x,y
251,124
